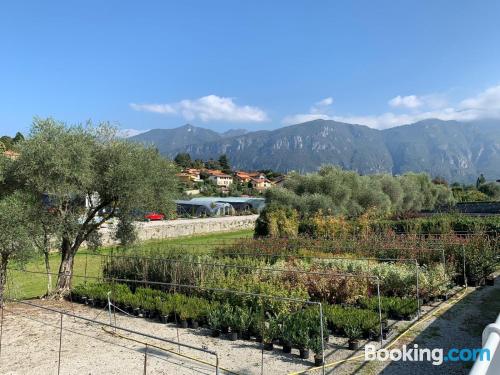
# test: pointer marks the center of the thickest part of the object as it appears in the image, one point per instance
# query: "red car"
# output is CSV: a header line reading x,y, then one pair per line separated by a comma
x,y
154,216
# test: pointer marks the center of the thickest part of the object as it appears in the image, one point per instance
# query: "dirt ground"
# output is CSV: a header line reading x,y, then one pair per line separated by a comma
x,y
30,343
31,336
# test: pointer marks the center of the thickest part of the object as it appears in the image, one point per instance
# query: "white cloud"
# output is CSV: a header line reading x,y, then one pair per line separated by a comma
x,y
488,100
324,102
319,111
207,108
410,101
484,105
155,108
126,133
304,117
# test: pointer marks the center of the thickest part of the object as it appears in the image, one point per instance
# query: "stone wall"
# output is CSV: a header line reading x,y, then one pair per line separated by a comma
x,y
157,230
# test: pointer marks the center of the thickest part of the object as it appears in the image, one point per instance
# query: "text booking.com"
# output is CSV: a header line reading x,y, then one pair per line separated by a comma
x,y
436,356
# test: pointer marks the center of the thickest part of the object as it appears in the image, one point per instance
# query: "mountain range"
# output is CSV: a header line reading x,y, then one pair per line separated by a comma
x,y
456,151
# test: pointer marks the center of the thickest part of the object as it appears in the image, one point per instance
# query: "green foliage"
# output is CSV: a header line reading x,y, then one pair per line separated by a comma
x,y
394,307
279,222
491,189
224,163
344,320
335,191
71,164
126,232
183,159
470,195
15,237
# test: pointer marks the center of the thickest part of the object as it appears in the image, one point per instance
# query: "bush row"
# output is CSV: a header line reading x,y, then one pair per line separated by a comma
x,y
297,327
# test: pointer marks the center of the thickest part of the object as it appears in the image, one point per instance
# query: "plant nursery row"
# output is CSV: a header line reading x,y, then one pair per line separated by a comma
x,y
295,325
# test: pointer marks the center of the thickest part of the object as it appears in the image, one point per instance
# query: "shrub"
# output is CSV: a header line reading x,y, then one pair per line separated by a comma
x,y
394,307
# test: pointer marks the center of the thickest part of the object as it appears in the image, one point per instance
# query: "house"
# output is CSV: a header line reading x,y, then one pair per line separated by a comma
x,y
193,173
279,181
183,177
11,154
242,177
261,183
219,178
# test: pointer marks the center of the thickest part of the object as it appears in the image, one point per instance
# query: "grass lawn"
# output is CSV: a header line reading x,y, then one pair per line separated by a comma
x,y
23,285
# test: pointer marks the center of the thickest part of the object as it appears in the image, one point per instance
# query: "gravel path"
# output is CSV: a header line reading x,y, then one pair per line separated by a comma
x,y
30,344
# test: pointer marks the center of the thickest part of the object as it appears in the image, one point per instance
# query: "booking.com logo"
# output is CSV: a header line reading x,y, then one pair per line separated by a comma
x,y
436,356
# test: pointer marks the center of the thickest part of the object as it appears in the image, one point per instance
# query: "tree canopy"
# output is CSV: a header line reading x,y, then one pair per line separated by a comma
x,y
338,192
86,176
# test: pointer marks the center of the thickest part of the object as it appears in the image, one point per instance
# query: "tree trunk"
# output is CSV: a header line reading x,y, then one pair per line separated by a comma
x,y
47,269
3,276
66,268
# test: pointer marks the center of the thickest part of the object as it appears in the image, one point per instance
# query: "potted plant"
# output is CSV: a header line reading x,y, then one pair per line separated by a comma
x,y
242,322
183,316
226,316
268,334
286,336
300,337
353,332
214,320
315,344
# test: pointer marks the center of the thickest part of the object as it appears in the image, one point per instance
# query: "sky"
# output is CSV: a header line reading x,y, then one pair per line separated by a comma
x,y
247,64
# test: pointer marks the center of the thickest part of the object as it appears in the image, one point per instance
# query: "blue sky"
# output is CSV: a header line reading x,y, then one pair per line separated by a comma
x,y
253,64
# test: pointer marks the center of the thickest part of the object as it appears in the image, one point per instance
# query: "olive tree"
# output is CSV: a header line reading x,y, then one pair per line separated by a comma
x,y
87,176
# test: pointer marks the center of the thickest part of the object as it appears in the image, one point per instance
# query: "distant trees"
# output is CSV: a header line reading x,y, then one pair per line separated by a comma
x,y
183,159
482,191
9,143
338,192
480,180
491,189
225,166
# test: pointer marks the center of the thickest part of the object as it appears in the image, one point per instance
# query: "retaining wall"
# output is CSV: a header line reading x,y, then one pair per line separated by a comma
x,y
157,230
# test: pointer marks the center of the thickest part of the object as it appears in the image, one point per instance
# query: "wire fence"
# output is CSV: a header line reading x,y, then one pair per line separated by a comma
x,y
106,347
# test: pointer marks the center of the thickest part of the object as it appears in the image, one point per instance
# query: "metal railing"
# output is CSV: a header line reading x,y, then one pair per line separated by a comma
x,y
491,343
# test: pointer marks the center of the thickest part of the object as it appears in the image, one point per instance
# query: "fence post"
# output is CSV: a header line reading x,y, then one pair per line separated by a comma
x,y
380,313
1,330
109,310
322,338
465,274
418,292
216,364
146,359
86,255
60,345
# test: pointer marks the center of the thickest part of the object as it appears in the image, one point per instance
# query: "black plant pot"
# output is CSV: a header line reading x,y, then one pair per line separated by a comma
x,y
318,360
225,330
194,324
137,311
164,319
353,344
245,335
183,323
287,348
85,300
268,346
304,353
215,332
258,338
490,281
233,336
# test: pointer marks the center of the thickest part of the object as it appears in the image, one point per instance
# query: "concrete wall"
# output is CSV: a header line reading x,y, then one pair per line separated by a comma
x,y
157,230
